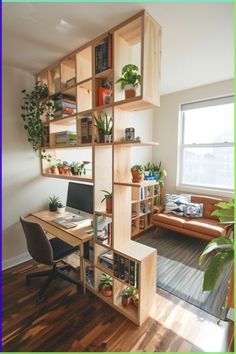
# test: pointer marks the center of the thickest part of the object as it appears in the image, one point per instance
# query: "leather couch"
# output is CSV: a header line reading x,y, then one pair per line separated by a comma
x,y
207,227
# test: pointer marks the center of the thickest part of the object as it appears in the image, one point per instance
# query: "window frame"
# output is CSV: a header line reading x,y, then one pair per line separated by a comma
x,y
180,186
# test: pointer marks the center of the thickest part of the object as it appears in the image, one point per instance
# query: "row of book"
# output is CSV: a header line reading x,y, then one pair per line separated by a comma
x,y
126,270
65,137
65,105
86,130
103,55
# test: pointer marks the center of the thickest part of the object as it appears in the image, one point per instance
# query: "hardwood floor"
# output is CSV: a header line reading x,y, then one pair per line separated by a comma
x,y
71,321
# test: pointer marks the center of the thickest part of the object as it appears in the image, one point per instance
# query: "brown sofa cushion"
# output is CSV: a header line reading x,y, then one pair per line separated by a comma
x,y
170,219
209,205
205,226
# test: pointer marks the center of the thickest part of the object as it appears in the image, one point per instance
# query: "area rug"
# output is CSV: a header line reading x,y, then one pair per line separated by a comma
x,y
178,271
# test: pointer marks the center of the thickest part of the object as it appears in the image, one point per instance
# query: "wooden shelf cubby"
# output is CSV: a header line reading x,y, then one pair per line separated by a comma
x,y
86,80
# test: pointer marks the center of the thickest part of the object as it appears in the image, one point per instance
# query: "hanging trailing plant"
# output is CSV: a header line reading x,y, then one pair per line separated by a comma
x,y
35,104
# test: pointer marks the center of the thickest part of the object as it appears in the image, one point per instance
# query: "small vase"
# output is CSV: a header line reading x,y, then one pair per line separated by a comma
x,y
108,138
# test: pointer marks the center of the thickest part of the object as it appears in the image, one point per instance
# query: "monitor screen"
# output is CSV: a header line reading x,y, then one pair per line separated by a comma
x,y
80,197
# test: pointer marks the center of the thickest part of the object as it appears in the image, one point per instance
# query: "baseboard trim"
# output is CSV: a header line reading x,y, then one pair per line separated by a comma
x,y
11,262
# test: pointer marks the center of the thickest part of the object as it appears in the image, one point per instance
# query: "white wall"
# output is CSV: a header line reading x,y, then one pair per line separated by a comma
x,y
165,124
24,189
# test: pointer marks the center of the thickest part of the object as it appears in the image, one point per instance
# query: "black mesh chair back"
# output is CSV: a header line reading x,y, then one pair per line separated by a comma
x,y
38,245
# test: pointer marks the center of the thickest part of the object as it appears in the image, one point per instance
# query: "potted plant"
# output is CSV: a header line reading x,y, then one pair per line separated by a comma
x,y
128,295
53,203
66,168
53,169
105,286
130,80
108,198
148,169
36,104
137,173
104,125
159,173
78,168
220,252
60,208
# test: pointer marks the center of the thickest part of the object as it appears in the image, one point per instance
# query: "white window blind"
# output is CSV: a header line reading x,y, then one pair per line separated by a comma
x,y
206,149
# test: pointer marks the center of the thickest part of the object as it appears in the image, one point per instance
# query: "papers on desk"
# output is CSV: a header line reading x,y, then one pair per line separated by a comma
x,y
68,224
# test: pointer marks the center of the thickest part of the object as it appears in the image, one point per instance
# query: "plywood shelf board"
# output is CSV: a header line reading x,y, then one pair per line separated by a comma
x,y
76,178
135,250
133,184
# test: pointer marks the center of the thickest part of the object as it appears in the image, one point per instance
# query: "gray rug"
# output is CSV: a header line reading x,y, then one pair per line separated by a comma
x,y
178,271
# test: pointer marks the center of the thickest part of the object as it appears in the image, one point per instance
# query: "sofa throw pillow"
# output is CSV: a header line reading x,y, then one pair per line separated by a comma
x,y
193,210
175,203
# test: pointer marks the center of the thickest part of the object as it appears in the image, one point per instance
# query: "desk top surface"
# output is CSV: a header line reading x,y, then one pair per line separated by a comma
x,y
73,236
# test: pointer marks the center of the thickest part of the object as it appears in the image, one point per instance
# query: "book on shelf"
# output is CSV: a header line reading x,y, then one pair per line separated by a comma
x,y
65,137
134,214
86,130
70,82
106,259
126,270
103,55
103,229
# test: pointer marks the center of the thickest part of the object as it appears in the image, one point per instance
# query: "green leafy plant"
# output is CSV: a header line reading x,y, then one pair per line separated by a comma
x,y
137,168
159,172
35,104
104,123
54,200
108,195
60,205
220,251
129,291
130,76
78,168
106,281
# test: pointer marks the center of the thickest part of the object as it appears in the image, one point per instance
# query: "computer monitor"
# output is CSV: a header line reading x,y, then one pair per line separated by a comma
x,y
80,197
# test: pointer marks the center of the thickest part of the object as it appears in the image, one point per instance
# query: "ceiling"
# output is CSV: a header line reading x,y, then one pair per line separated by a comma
x,y
197,42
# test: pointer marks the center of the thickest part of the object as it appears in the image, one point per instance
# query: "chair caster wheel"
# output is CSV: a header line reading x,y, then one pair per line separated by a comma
x,y
40,298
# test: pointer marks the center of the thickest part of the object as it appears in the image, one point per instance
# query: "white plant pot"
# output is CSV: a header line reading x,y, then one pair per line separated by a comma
x,y
108,138
61,210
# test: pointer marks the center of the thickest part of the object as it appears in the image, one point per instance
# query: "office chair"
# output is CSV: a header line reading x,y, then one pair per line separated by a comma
x,y
48,252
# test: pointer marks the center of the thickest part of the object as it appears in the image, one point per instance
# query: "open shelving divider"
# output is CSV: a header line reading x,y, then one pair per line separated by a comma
x,y
82,76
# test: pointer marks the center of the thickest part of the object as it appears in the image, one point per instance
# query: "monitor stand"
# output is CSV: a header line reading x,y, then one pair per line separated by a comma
x,y
78,214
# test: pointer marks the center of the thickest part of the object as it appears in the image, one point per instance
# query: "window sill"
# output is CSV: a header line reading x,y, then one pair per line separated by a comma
x,y
205,191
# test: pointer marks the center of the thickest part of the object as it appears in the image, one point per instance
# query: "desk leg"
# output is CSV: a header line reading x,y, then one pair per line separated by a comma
x,y
82,266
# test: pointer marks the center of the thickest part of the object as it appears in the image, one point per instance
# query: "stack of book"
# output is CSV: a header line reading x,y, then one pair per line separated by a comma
x,y
65,137
103,229
86,130
103,59
126,270
106,259
65,105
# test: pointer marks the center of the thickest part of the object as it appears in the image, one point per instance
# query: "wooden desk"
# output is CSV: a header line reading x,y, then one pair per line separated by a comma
x,y
75,236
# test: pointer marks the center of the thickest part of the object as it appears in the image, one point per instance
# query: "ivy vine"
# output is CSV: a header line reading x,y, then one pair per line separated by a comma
x,y
36,104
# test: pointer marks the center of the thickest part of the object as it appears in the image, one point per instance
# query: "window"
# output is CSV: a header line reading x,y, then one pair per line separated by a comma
x,y
206,149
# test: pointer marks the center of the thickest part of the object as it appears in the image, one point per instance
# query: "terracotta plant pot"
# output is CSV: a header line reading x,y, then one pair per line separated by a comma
x,y
137,176
54,170
67,171
109,205
106,291
61,170
130,92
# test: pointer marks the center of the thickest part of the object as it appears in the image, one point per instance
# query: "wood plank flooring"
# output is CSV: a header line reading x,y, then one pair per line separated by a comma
x,y
73,322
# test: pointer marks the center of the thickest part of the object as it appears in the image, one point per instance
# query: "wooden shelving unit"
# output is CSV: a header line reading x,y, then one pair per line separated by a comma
x,y
79,77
